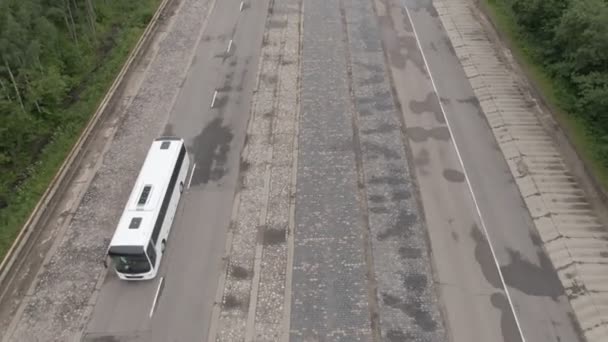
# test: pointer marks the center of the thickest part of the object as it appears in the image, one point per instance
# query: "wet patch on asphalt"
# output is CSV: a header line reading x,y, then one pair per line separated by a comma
x,y
210,149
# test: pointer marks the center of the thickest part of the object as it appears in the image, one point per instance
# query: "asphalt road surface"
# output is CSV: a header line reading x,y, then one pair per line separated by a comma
x,y
372,203
215,136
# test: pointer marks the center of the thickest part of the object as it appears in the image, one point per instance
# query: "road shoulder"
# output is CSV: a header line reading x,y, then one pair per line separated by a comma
x,y
569,227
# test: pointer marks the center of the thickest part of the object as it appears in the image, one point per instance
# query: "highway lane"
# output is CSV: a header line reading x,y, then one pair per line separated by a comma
x,y
466,266
466,275
474,300
215,137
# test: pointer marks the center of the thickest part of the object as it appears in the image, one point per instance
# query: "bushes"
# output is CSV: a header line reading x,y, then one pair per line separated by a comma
x,y
569,39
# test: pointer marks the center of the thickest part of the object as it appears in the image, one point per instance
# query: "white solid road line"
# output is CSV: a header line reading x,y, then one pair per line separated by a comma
x,y
483,225
241,7
191,175
160,285
214,98
229,47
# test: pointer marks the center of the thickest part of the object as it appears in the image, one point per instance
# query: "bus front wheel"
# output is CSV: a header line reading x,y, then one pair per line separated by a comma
x,y
181,187
163,244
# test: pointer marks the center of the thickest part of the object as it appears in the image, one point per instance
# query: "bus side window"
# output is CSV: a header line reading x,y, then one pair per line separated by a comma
x,y
151,254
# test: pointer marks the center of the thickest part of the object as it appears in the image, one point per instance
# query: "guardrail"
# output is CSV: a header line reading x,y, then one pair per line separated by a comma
x,y
61,177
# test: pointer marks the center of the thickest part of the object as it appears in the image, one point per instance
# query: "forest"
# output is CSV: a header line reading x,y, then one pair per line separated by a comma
x,y
568,39
57,59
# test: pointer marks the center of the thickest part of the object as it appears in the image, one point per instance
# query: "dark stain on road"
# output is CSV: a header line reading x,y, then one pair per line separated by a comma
x,y
379,210
105,338
375,72
420,134
395,44
373,68
453,176
273,236
413,309
422,158
530,278
402,228
394,335
410,252
510,332
472,100
415,282
221,99
277,24
367,33
455,236
168,131
375,78
386,180
426,5
377,149
377,198
429,105
238,272
224,88
400,196
232,302
211,149
484,258
269,79
448,43
381,101
579,206
381,129
536,240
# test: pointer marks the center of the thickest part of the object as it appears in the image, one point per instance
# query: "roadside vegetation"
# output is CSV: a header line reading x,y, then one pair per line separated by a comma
x,y
57,60
563,45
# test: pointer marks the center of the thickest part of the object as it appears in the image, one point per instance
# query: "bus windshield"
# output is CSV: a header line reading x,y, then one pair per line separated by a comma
x,y
132,263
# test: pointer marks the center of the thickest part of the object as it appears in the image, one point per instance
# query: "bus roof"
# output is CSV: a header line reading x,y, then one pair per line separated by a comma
x,y
140,213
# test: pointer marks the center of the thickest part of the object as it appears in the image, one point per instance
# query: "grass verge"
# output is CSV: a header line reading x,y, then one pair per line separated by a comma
x,y
53,155
574,127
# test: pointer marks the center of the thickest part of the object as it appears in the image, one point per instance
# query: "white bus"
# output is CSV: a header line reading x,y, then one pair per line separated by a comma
x,y
140,238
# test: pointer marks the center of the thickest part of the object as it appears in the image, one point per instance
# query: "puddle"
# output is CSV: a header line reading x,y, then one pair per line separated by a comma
x,y
273,236
168,131
394,335
415,282
422,158
383,128
453,176
380,150
510,332
410,252
402,228
232,302
429,105
415,310
239,272
420,134
400,196
532,279
484,258
377,199
211,149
